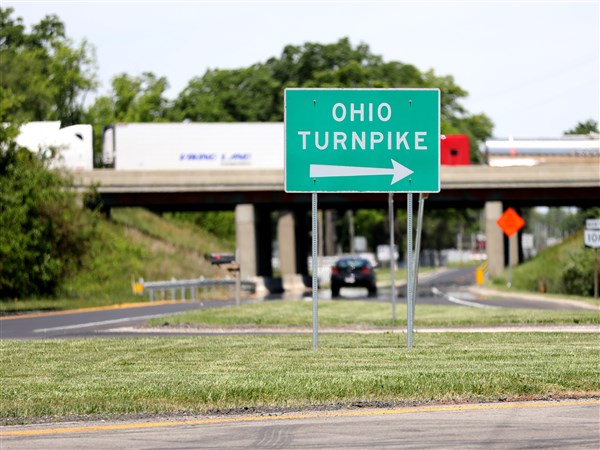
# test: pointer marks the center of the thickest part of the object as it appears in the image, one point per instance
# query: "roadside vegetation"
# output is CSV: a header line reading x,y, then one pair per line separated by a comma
x,y
133,244
202,374
564,268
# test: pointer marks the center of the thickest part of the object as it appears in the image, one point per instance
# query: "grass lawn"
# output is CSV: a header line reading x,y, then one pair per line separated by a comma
x,y
340,312
54,379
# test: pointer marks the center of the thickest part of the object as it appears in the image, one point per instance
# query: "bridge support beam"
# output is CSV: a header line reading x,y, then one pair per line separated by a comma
x,y
245,234
253,241
292,258
286,238
329,237
494,238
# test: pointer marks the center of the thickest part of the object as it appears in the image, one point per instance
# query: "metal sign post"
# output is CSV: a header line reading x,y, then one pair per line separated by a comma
x,y
315,275
422,198
510,222
509,284
591,238
392,259
596,274
238,279
409,269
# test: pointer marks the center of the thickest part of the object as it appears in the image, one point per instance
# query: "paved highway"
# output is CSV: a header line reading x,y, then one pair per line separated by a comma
x,y
450,287
78,323
570,424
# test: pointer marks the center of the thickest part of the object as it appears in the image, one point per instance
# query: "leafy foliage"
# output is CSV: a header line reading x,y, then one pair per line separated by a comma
x,y
565,268
587,127
256,93
45,233
131,99
43,75
221,224
578,275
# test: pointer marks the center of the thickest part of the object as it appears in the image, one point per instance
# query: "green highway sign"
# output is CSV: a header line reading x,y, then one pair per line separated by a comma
x,y
362,140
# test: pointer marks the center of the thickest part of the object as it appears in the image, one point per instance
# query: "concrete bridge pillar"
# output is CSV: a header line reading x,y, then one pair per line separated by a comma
x,y
292,258
494,238
329,237
253,233
245,234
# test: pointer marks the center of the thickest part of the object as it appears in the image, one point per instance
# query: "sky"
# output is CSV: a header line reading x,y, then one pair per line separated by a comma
x,y
531,66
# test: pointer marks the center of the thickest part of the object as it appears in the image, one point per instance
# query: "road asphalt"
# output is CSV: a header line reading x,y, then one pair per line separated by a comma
x,y
565,424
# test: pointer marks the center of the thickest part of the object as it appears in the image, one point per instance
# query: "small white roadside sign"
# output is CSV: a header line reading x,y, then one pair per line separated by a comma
x,y
592,224
591,238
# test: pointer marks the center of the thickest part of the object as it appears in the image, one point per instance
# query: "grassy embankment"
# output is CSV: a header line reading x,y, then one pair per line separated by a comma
x,y
133,244
62,378
544,273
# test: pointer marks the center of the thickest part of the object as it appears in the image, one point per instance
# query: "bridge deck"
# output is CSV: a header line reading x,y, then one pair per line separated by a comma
x,y
546,184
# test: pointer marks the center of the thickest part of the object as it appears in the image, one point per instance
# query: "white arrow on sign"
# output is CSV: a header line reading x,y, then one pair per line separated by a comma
x,y
398,171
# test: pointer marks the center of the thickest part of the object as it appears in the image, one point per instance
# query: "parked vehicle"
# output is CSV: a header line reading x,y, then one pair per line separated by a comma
x,y
353,272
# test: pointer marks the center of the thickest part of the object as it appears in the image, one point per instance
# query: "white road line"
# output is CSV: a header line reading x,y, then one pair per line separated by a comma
x,y
459,301
94,324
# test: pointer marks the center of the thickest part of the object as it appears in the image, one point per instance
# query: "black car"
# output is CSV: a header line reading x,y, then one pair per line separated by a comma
x,y
353,272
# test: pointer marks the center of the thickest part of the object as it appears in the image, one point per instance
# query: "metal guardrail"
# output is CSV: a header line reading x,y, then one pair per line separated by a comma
x,y
182,286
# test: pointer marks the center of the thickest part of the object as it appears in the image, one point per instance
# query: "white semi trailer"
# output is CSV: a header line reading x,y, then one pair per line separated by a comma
x,y
181,146
70,147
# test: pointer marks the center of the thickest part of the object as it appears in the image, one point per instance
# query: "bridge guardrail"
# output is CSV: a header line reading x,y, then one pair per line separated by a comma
x,y
182,286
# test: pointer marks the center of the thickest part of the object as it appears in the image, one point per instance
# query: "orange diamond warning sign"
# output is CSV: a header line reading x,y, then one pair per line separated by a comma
x,y
510,222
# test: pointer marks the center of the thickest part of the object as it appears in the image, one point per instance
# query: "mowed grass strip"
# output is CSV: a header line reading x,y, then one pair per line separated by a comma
x,y
60,378
377,314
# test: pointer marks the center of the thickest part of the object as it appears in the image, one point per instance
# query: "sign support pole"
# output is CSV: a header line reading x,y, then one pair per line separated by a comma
x,y
509,262
238,279
422,198
596,273
315,269
409,268
392,259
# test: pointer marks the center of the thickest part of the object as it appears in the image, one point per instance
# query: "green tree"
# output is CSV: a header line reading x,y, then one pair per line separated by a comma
x,y
244,95
43,74
131,99
218,223
45,233
256,93
578,273
370,223
587,127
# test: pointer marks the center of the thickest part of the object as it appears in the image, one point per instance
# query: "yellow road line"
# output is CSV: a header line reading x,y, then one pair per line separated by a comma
x,y
375,412
96,308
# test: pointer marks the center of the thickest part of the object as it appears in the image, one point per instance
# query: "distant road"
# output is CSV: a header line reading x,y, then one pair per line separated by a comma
x,y
570,424
455,287
89,323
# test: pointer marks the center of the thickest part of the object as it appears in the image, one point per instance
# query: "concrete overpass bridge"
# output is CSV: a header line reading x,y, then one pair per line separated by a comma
x,y
255,194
